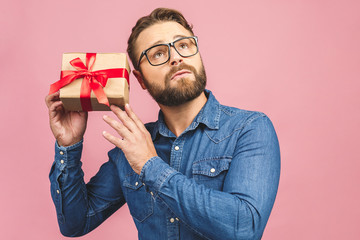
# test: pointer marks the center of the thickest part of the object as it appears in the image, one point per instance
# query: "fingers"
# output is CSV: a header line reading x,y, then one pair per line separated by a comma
x,y
133,116
54,104
122,130
49,99
124,118
114,140
130,128
55,108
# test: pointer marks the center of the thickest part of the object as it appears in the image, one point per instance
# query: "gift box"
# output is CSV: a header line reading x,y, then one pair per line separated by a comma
x,y
93,81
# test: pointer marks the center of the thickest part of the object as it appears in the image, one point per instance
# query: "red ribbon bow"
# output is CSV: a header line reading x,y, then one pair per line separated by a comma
x,y
93,80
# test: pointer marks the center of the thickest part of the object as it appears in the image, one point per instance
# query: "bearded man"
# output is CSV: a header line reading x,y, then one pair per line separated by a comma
x,y
201,171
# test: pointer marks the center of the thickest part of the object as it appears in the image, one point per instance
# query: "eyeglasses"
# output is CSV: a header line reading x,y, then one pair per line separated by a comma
x,y
160,53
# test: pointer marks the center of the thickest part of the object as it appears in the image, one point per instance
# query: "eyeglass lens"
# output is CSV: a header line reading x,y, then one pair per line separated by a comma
x,y
160,54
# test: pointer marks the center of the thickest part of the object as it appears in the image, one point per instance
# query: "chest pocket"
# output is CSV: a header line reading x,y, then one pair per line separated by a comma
x,y
140,202
211,172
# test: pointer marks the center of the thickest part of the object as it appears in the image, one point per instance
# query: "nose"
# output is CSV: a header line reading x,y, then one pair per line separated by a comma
x,y
175,58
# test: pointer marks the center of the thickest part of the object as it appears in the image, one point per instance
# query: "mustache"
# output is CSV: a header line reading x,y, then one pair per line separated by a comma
x,y
182,66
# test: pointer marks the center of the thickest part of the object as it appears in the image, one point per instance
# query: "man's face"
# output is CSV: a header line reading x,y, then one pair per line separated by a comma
x,y
179,80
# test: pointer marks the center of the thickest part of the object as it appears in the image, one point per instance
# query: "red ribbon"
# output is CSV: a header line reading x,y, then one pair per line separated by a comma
x,y
93,80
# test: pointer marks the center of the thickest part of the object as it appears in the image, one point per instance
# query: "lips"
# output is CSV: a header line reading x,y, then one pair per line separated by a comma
x,y
179,73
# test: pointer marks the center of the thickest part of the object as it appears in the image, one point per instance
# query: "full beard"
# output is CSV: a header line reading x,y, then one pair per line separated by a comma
x,y
183,91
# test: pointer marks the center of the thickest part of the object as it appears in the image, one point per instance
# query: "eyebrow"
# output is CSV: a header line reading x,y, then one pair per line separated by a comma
x,y
160,41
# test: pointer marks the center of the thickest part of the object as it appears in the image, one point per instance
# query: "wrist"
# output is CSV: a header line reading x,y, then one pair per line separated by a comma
x,y
63,143
141,164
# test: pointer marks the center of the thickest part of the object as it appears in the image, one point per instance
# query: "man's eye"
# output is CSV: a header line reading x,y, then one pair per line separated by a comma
x,y
183,46
158,54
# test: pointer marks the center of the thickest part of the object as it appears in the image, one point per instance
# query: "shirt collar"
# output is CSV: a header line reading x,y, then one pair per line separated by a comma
x,y
209,115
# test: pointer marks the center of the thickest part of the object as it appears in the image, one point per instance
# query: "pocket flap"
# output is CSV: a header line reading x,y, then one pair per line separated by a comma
x,y
132,181
211,167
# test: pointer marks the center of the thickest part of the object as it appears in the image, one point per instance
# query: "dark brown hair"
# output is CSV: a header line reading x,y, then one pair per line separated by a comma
x,y
156,16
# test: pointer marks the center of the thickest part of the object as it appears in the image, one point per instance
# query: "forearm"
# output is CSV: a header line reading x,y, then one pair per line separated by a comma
x,y
77,204
67,183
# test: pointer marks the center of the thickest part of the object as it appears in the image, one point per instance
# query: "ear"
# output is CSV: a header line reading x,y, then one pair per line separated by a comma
x,y
138,76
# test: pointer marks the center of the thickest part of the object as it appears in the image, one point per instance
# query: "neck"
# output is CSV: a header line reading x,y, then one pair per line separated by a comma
x,y
178,118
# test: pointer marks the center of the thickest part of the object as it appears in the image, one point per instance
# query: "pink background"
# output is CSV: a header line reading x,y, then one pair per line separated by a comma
x,y
297,61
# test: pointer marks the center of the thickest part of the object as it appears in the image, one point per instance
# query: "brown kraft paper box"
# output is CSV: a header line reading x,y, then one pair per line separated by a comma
x,y
116,89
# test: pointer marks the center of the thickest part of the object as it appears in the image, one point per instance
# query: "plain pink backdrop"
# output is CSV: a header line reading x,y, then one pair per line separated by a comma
x,y
297,61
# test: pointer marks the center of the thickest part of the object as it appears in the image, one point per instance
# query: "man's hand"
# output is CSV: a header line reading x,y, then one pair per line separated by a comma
x,y
68,127
135,141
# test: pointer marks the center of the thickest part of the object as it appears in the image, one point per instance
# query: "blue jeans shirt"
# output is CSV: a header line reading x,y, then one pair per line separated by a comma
x,y
217,180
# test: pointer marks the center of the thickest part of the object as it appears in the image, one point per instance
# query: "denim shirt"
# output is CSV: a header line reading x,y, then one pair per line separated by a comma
x,y
217,180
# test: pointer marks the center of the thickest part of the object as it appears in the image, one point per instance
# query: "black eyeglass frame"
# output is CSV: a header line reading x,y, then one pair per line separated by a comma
x,y
169,46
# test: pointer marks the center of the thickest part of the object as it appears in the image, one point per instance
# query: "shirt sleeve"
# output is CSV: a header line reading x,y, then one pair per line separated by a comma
x,y
242,209
82,207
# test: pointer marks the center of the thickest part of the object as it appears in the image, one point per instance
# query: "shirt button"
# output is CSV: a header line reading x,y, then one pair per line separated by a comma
x,y
58,191
212,170
62,161
172,220
136,183
61,153
177,148
177,219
